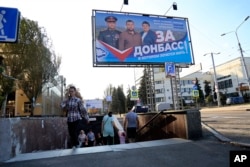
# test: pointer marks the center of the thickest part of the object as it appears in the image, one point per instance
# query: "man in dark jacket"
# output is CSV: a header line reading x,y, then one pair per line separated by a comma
x,y
148,36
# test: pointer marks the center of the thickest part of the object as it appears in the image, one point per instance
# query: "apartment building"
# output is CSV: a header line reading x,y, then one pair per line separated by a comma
x,y
231,78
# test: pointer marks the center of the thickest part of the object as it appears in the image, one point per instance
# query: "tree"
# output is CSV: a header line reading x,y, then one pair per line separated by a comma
x,y
208,91
119,100
115,105
32,60
122,99
201,94
108,94
143,88
6,87
207,88
129,102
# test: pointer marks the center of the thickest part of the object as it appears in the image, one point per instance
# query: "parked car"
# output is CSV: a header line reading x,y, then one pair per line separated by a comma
x,y
140,109
162,106
234,100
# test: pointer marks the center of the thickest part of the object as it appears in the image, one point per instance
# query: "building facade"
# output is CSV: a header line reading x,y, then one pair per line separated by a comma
x,y
47,104
231,78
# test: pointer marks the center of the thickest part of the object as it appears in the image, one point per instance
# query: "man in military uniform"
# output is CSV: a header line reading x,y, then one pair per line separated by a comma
x,y
110,35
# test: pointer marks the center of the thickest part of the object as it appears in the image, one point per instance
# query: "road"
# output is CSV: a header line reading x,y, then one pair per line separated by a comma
x,y
233,122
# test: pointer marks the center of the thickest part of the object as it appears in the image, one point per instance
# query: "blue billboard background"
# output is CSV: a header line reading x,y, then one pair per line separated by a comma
x,y
172,43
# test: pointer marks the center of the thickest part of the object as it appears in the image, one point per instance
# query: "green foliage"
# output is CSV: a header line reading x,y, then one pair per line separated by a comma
x,y
200,99
129,102
207,88
209,99
118,104
1,69
143,88
32,60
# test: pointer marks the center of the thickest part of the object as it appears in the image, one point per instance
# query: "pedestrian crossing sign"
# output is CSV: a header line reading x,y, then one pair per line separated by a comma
x,y
134,95
9,21
195,93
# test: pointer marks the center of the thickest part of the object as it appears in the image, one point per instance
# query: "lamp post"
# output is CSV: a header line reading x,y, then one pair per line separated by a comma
x,y
174,6
241,51
215,79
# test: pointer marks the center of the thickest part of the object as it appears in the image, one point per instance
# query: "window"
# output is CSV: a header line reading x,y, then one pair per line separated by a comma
x,y
157,91
225,84
27,107
158,82
159,99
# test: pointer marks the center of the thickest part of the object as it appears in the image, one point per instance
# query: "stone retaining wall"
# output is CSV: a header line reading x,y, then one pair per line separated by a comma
x,y
32,134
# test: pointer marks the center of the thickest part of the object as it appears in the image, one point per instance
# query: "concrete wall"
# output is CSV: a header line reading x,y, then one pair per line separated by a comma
x,y
30,134
171,124
23,135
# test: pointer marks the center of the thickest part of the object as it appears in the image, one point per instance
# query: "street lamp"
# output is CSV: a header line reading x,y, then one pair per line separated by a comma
x,y
241,51
174,6
215,78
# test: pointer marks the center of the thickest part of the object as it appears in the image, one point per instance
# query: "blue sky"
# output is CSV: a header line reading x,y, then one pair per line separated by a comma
x,y
68,23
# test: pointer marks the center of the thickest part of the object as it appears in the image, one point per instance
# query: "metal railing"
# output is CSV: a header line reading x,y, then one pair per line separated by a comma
x,y
151,120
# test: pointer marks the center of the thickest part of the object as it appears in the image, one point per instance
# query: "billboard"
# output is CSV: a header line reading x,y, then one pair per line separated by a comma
x,y
131,39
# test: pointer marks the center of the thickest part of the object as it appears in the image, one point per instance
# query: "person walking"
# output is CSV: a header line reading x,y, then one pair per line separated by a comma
x,y
108,126
75,113
131,123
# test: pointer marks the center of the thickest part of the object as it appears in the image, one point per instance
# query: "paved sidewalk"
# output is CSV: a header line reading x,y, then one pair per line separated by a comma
x,y
205,152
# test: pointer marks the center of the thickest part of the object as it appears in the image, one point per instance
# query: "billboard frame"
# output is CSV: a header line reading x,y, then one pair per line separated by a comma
x,y
137,64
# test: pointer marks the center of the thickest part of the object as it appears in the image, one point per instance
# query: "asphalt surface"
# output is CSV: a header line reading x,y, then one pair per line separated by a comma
x,y
213,149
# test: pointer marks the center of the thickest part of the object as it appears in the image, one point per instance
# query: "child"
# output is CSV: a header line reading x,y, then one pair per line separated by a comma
x,y
122,137
82,138
91,138
99,140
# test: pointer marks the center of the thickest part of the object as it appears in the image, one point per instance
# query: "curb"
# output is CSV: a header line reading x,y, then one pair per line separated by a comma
x,y
224,139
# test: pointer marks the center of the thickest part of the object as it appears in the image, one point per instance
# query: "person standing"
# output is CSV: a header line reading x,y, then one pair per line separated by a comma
x,y
122,137
75,111
129,38
148,36
110,35
131,123
108,126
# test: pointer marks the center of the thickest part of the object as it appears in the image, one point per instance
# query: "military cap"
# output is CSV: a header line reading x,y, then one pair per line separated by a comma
x,y
110,18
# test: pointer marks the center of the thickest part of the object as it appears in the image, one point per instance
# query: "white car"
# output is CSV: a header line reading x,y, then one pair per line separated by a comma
x,y
228,101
